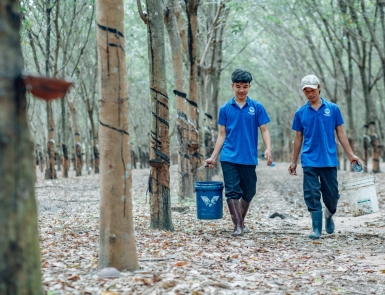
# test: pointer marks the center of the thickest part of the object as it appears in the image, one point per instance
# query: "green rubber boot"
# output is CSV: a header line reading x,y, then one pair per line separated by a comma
x,y
316,217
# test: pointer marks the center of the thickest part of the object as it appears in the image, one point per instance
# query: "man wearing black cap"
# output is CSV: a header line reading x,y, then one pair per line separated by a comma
x,y
315,124
239,120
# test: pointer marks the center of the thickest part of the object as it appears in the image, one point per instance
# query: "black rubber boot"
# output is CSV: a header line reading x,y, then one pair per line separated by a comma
x,y
316,217
329,223
236,216
244,208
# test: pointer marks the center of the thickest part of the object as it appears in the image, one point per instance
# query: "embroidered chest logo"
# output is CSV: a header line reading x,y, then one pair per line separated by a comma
x,y
327,112
251,111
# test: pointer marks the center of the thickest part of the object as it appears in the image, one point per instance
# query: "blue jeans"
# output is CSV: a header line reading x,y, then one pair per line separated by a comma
x,y
240,181
317,181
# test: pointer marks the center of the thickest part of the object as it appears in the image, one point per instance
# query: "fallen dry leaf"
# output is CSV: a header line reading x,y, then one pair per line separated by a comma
x,y
181,263
167,284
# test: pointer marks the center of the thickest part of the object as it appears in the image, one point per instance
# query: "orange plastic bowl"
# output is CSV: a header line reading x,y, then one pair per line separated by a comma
x,y
46,88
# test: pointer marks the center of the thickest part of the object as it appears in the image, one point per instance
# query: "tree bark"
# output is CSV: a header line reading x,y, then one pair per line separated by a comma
x,y
363,60
66,162
159,183
117,240
184,165
50,172
20,272
78,145
210,68
195,137
94,137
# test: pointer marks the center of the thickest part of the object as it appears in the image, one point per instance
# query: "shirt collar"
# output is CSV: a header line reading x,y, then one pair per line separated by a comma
x,y
322,102
234,102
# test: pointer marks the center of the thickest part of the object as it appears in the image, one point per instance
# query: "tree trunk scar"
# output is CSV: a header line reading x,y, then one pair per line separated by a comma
x,y
161,119
116,45
154,138
163,156
181,94
119,130
111,30
193,103
161,103
158,92
209,116
182,115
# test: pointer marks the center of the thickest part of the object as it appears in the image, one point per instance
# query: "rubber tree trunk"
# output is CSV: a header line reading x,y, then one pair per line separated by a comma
x,y
20,272
41,159
364,63
117,240
366,142
66,162
210,66
195,136
50,172
376,148
159,183
58,154
184,165
94,137
78,145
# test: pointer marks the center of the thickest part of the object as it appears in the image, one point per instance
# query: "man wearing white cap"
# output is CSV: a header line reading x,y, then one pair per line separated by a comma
x,y
315,124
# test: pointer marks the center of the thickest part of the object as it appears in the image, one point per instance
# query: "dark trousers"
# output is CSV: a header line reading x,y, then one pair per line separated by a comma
x,y
240,181
320,180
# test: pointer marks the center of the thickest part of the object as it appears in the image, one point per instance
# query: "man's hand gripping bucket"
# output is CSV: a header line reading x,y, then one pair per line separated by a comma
x,y
361,194
209,199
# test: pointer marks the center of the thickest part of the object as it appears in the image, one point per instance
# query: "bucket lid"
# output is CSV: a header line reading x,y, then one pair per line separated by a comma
x,y
209,184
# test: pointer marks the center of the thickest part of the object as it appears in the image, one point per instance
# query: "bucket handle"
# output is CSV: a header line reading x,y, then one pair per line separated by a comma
x,y
201,168
347,171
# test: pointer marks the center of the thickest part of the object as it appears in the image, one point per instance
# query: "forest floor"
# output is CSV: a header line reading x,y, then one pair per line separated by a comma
x,y
201,256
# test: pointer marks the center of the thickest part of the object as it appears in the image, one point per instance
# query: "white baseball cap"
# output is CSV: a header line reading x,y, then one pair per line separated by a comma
x,y
310,81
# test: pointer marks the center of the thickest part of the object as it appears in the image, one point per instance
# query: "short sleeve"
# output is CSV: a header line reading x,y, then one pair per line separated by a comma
x,y
222,119
339,119
297,125
263,117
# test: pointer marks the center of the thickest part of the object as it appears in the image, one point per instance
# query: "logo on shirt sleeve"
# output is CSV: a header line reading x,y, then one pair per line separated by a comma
x,y
251,111
327,112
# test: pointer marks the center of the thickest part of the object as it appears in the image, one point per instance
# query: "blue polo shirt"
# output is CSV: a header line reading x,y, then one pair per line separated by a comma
x,y
318,127
241,143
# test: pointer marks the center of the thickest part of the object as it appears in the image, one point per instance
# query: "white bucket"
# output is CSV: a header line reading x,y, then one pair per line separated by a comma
x,y
362,195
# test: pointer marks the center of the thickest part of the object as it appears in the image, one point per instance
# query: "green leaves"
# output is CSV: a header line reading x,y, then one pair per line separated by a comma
x,y
237,6
236,27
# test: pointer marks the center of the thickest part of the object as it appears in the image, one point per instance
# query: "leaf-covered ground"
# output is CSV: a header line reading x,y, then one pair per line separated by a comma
x,y
201,257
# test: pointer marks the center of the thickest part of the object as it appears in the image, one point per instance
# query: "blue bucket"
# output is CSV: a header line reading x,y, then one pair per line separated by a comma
x,y
209,199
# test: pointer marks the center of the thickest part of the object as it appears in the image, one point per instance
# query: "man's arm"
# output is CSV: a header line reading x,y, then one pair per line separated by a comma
x,y
298,139
266,139
210,162
344,141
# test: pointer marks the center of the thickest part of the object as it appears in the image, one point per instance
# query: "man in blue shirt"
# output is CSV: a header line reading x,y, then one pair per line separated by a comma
x,y
237,144
315,124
